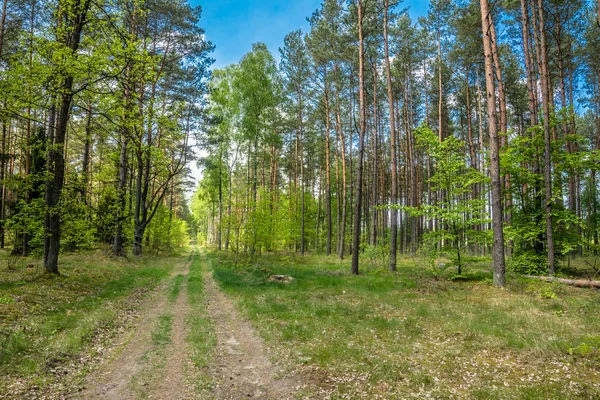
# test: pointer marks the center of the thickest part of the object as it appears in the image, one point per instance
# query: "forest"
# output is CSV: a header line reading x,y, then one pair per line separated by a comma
x,y
391,205
100,105
378,134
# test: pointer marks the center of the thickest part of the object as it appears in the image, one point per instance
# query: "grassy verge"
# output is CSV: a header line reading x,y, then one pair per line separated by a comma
x,y
201,339
408,335
48,322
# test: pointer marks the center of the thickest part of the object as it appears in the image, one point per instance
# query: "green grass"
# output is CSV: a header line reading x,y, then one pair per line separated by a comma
x,y
47,321
175,287
407,335
201,339
161,335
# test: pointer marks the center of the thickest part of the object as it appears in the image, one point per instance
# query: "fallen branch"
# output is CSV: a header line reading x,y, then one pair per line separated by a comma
x,y
573,282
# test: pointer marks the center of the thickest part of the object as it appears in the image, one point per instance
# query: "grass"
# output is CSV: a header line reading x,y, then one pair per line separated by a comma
x,y
201,339
161,335
408,335
47,322
175,287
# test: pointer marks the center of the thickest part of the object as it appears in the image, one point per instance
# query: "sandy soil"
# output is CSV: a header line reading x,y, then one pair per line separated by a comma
x,y
126,369
242,367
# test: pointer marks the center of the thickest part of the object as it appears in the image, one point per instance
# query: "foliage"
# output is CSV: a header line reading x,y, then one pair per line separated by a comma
x,y
77,232
459,215
527,228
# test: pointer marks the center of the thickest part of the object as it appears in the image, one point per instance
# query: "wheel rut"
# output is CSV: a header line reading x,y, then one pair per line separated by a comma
x,y
242,368
134,369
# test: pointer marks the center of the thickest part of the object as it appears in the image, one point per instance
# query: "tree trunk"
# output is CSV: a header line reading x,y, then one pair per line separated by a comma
x,y
86,155
138,237
327,167
3,159
361,144
545,77
302,183
531,94
342,140
498,248
117,248
220,226
582,283
375,156
75,19
394,178
440,88
2,25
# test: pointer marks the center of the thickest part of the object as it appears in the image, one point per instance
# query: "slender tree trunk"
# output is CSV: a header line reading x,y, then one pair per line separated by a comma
x,y
440,88
302,182
394,178
361,143
327,167
545,77
3,159
425,93
528,67
498,248
138,219
86,155
375,156
117,247
228,231
220,225
469,122
2,25
501,92
342,240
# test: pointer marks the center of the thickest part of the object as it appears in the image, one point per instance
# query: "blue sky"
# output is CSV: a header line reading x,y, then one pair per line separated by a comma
x,y
233,25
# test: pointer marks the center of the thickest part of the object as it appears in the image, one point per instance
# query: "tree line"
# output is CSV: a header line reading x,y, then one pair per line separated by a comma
x,y
471,131
99,105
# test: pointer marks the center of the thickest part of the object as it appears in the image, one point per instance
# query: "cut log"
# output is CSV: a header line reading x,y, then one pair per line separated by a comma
x,y
573,282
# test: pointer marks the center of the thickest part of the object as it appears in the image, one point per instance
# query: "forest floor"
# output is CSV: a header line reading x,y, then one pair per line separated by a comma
x,y
203,327
416,334
181,339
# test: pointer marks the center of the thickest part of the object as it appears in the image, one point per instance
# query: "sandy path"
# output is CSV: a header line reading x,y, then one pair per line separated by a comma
x,y
117,377
173,384
136,369
241,368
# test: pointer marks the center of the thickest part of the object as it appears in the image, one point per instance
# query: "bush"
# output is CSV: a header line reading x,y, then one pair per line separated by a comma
x,y
528,264
77,231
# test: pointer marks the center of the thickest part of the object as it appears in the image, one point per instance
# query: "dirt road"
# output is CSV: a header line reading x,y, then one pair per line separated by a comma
x,y
152,360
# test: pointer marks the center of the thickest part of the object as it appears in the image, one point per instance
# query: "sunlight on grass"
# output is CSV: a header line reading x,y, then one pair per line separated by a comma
x,y
409,335
51,319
